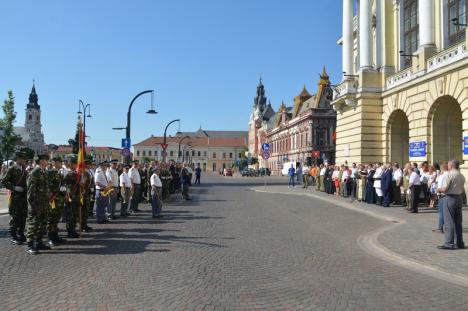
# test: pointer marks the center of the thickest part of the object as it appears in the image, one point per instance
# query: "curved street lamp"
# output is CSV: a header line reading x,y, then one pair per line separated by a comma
x,y
87,107
129,116
165,132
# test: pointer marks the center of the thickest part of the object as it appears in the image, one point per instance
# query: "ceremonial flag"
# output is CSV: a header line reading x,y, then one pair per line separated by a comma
x,y
81,151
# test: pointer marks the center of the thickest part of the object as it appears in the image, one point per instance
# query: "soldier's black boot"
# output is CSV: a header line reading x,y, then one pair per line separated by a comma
x,y
59,239
72,235
52,239
14,238
21,236
41,245
32,249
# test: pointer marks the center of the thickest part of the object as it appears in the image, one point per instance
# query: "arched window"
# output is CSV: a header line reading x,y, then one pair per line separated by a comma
x,y
30,117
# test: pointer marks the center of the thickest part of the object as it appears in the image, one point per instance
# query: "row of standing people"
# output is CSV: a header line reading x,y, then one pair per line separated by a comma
x,y
435,186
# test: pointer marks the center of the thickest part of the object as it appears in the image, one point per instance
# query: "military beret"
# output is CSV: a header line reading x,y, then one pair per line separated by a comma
x,y
43,157
57,159
114,161
127,166
20,155
104,163
73,159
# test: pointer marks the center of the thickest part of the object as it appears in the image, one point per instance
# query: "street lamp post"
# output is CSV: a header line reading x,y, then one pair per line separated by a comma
x,y
180,141
129,116
189,144
81,105
164,142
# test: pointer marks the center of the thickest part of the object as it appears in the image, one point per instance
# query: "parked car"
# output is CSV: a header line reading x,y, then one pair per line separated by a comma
x,y
245,172
227,172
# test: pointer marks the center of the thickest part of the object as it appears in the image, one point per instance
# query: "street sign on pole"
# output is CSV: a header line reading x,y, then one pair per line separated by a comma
x,y
266,155
164,146
125,152
126,143
316,153
265,147
164,153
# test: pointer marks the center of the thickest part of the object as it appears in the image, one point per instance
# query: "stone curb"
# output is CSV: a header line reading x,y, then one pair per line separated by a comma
x,y
370,244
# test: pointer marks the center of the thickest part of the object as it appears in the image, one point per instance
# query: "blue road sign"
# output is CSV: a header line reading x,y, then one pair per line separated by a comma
x,y
125,152
126,143
266,147
417,149
465,145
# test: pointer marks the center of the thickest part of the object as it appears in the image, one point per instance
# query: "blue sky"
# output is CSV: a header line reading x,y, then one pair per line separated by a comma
x,y
203,58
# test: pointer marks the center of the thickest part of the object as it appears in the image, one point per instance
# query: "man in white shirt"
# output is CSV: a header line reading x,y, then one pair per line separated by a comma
x,y
100,181
415,188
397,182
156,192
113,179
135,177
125,188
378,183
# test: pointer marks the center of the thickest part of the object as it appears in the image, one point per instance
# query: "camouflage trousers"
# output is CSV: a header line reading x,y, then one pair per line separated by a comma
x,y
18,210
36,215
71,215
85,211
54,214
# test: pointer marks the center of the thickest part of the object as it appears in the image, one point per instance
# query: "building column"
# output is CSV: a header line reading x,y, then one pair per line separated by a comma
x,y
348,37
365,37
426,23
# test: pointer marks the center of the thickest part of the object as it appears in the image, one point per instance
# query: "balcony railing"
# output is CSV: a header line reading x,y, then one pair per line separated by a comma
x,y
347,87
447,57
399,78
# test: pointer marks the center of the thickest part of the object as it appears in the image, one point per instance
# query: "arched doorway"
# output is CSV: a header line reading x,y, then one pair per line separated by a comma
x,y
398,131
447,130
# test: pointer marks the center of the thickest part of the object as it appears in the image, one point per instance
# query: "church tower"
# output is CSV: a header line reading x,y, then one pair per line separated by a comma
x,y
32,123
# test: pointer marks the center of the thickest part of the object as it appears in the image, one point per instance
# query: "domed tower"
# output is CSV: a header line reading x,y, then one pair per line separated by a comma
x,y
33,124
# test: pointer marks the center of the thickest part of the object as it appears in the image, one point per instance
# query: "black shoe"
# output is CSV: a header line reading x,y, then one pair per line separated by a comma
x,y
16,241
41,245
32,249
445,247
88,229
22,238
137,211
52,243
461,246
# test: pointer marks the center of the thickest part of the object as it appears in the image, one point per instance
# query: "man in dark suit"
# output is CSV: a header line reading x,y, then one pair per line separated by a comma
x,y
387,185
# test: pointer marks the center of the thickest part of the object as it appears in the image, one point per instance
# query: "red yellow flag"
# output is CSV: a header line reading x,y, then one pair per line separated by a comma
x,y
81,151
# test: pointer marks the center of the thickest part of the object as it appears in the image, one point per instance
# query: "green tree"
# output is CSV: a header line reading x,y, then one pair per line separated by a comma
x,y
9,140
75,143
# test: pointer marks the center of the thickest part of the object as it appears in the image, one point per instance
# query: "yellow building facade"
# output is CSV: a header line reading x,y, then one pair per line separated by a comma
x,y
404,92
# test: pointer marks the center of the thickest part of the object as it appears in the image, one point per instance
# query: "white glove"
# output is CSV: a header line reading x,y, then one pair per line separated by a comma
x,y
63,189
19,189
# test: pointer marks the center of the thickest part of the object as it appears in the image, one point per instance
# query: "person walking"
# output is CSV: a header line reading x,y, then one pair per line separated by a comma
x,y
125,188
185,182
305,177
38,202
156,192
453,190
135,177
197,174
415,188
15,180
291,173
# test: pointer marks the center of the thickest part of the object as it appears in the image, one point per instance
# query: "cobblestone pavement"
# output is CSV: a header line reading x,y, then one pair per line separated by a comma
x,y
414,239
229,249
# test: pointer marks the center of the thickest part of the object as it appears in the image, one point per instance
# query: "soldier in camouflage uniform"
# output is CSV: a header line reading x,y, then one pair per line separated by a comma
x,y
15,181
38,202
58,194
74,188
87,184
